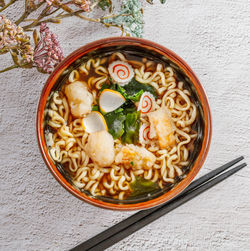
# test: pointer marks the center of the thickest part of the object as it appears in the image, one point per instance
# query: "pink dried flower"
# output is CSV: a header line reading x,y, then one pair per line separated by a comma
x,y
14,40
83,4
48,52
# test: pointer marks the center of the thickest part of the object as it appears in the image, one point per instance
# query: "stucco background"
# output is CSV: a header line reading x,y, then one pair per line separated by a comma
x,y
38,214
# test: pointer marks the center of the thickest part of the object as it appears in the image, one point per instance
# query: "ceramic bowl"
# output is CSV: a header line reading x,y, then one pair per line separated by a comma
x,y
150,49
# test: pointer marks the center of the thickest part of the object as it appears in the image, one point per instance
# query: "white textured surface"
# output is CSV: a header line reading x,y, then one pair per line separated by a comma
x,y
38,214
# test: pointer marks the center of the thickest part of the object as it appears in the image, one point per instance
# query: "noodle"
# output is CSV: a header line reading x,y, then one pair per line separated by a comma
x,y
68,139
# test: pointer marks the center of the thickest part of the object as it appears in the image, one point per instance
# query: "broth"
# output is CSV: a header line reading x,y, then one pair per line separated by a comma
x,y
67,138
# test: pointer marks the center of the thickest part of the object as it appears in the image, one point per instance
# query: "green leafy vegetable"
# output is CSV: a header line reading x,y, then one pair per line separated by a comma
x,y
135,97
115,121
108,86
118,110
122,91
131,128
128,107
124,122
116,87
134,87
95,108
142,186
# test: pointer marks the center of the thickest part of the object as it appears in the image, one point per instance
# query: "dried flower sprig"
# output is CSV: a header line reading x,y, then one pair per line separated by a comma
x,y
47,52
51,8
14,40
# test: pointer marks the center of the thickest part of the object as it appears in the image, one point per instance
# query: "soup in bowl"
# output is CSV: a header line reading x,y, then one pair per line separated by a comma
x,y
123,123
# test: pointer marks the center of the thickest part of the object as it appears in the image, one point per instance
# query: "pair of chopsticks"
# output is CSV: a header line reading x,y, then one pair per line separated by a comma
x,y
135,222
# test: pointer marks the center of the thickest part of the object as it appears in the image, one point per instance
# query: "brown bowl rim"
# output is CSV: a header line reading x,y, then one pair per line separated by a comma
x,y
163,51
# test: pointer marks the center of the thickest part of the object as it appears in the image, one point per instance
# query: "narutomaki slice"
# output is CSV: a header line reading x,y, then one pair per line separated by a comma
x,y
144,133
146,103
121,72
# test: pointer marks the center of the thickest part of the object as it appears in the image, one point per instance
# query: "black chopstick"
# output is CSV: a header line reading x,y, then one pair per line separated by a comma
x,y
162,211
140,219
141,214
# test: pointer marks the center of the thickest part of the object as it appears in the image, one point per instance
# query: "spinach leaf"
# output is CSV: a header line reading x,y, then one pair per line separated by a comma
x,y
115,122
135,97
128,107
133,87
124,121
108,86
135,93
131,128
142,186
95,108
118,110
122,91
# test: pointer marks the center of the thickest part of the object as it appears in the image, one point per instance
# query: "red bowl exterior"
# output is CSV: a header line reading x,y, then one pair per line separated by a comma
x,y
151,46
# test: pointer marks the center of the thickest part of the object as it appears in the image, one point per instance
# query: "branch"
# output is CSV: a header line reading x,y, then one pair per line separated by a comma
x,y
9,68
27,13
7,5
49,20
36,21
2,3
74,13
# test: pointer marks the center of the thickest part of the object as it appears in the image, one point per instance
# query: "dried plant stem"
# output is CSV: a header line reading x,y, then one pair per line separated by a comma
x,y
27,13
115,15
24,15
49,20
7,5
74,13
114,25
9,68
38,21
68,12
55,19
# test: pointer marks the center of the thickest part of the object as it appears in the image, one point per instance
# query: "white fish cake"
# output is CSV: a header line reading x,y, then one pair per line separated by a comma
x,y
121,72
135,157
100,148
80,99
161,127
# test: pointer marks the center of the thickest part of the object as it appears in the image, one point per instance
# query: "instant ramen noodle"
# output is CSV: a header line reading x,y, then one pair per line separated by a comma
x,y
122,127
